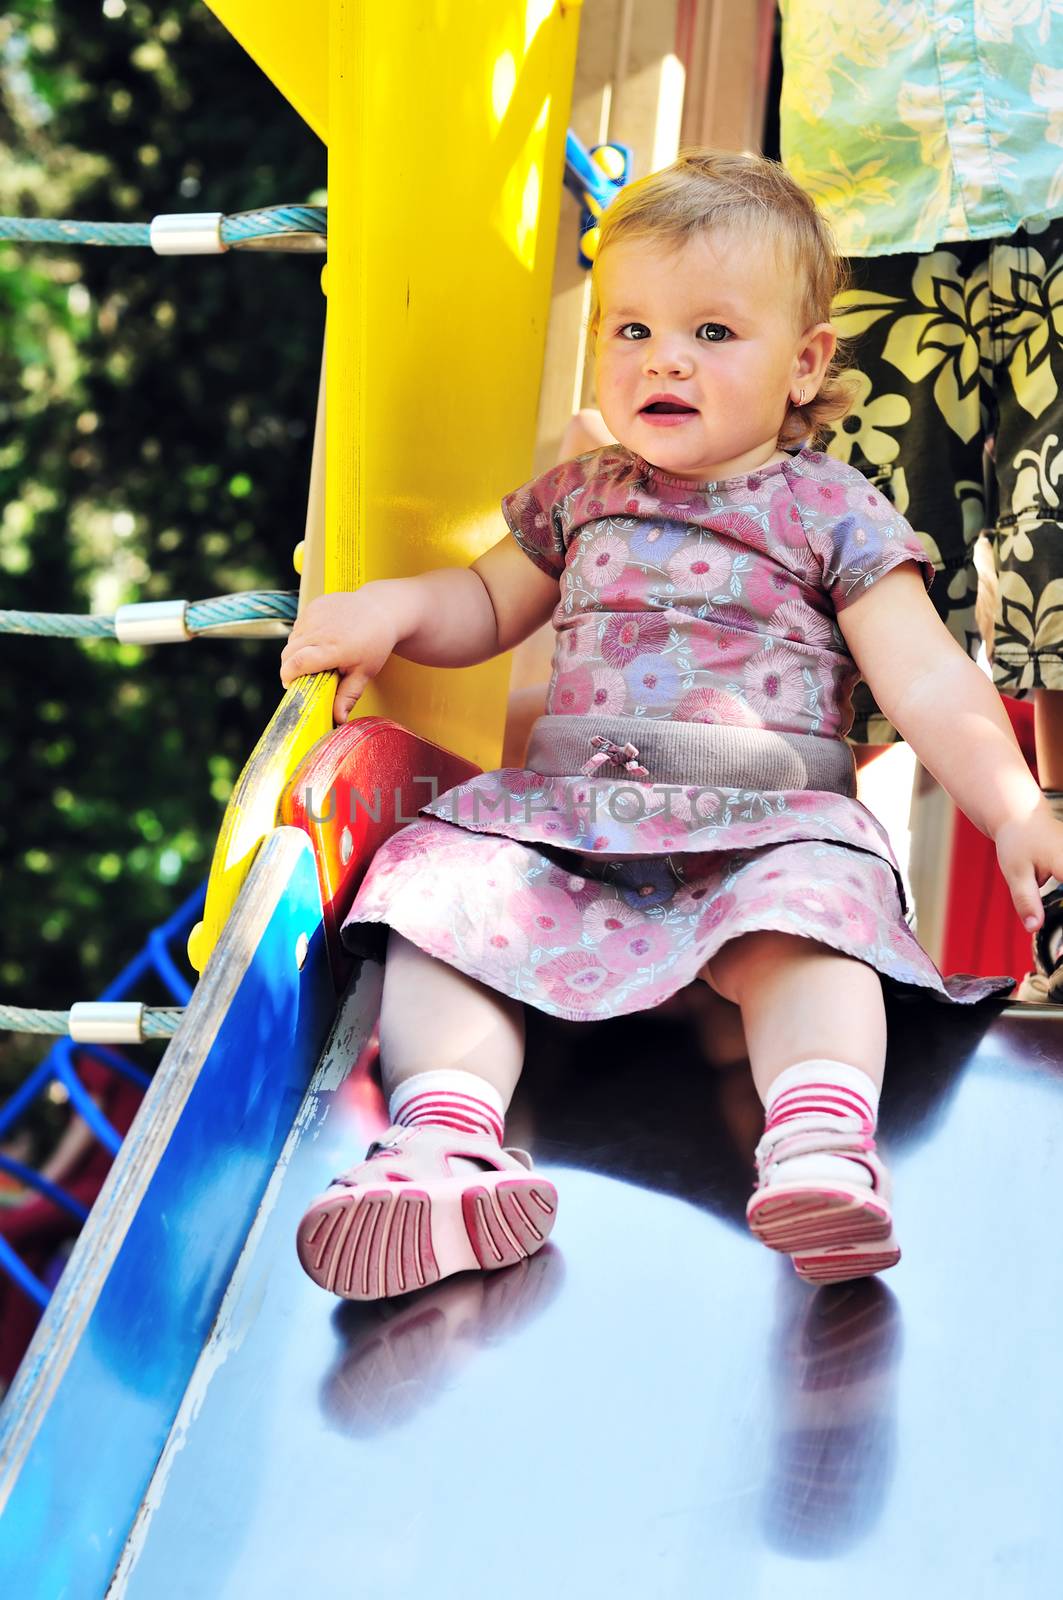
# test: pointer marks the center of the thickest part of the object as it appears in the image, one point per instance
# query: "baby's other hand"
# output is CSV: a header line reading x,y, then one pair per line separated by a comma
x,y
352,634
1030,852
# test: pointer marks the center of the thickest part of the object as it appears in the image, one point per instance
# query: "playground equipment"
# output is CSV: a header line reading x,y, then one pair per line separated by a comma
x,y
594,176
193,1417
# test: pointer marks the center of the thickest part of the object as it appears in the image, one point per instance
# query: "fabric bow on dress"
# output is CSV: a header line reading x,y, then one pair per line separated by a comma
x,y
625,755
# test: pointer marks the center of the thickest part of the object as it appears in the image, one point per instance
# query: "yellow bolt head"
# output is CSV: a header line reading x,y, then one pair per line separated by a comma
x,y
588,244
197,947
297,556
610,161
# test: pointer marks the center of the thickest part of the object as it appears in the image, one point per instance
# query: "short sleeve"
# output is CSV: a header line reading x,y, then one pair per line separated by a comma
x,y
855,533
536,525
539,513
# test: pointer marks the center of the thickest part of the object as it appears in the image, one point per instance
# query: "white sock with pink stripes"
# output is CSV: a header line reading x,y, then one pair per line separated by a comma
x,y
449,1099
822,1088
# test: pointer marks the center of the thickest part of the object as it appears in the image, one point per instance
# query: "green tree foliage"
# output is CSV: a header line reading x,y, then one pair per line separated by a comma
x,y
155,434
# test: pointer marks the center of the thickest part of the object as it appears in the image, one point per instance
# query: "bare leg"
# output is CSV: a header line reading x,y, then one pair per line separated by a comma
x,y
718,1025
864,756
1038,986
433,1016
1048,734
801,1001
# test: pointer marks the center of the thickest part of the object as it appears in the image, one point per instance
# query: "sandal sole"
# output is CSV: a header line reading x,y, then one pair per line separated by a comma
x,y
801,1218
849,1262
373,1243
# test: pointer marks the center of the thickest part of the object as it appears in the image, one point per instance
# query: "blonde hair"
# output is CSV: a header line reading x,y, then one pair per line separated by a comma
x,y
709,189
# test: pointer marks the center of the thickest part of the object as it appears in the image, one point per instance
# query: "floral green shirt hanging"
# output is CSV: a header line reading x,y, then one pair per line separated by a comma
x,y
911,122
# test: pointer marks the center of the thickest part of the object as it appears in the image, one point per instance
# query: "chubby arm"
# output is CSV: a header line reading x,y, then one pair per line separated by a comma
x,y
453,617
953,718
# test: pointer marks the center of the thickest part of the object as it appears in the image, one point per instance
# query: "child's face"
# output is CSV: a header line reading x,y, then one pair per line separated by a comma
x,y
700,350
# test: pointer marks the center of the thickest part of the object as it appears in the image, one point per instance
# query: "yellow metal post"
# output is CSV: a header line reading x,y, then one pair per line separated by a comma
x,y
445,123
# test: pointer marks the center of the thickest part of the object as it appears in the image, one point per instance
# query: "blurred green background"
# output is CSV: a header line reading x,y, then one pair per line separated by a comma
x,y
155,434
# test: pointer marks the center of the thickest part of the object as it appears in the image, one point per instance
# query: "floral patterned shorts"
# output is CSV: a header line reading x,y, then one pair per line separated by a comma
x,y
959,421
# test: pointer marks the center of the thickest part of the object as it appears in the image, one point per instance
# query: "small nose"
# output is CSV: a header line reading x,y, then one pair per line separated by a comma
x,y
666,357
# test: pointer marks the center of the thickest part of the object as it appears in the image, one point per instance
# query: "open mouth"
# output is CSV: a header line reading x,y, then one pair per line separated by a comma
x,y
667,408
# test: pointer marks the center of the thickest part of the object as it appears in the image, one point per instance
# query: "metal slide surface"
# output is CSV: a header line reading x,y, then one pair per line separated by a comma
x,y
654,1405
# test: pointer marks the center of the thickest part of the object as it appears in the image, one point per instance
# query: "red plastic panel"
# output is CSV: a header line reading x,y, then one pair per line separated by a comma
x,y
353,790
983,934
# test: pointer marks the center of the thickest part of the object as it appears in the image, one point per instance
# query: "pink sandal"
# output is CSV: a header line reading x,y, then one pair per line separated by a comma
x,y
407,1216
834,1230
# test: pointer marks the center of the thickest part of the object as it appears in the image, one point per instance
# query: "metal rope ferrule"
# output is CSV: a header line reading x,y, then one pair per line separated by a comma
x,y
152,622
188,233
106,1022
121,1021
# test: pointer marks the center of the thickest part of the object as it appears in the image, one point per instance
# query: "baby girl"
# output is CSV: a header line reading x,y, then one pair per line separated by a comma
x,y
687,812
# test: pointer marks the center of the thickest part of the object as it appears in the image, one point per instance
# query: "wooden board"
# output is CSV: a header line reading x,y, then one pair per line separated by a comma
x,y
628,86
726,46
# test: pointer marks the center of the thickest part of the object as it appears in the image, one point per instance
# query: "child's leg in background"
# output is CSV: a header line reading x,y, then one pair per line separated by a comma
x,y
1027,646
1048,727
815,1029
1027,538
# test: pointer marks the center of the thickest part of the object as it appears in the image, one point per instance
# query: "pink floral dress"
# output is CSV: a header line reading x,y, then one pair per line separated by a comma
x,y
600,880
